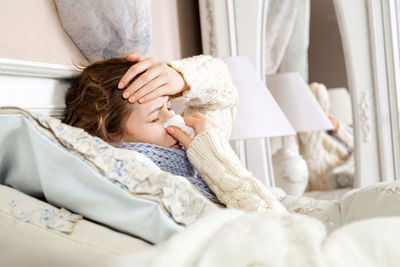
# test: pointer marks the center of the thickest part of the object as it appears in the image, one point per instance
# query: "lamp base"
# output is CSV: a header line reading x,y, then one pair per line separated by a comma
x,y
290,171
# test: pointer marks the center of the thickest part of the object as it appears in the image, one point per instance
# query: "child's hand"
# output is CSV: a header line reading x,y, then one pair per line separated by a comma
x,y
157,79
335,123
198,122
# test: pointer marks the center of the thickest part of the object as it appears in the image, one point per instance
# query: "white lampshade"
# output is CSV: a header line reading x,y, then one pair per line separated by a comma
x,y
340,104
258,113
297,102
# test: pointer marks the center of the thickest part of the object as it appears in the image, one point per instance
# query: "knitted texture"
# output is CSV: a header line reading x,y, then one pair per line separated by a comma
x,y
173,161
321,152
233,184
212,91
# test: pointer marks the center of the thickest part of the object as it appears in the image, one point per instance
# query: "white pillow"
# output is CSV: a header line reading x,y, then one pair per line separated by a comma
x,y
48,236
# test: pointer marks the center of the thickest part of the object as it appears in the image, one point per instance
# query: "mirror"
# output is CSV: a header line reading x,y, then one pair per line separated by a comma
x,y
329,155
354,48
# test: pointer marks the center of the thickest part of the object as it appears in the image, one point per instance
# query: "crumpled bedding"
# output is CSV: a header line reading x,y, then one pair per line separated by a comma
x,y
362,229
71,169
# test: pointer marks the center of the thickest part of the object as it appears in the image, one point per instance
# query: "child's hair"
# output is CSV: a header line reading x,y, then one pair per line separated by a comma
x,y
94,102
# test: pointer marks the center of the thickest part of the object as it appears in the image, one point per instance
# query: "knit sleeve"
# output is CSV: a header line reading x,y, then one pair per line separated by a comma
x,y
211,90
345,134
232,183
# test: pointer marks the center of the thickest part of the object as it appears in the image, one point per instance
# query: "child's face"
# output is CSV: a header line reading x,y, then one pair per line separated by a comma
x,y
146,123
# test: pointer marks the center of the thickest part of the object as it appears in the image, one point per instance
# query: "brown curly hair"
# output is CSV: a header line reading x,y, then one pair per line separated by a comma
x,y
94,102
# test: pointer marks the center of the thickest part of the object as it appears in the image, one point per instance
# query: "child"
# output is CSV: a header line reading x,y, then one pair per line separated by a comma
x,y
95,104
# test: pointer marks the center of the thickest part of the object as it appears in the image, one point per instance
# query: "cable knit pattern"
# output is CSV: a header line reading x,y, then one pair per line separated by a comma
x,y
233,184
212,91
321,152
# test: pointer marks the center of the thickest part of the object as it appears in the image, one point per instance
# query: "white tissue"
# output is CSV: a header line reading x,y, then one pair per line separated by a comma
x,y
178,121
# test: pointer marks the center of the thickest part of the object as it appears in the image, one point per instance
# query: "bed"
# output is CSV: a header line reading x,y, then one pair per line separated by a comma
x,y
361,228
313,234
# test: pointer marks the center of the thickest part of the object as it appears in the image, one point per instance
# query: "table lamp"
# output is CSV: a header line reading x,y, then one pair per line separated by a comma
x,y
258,114
305,115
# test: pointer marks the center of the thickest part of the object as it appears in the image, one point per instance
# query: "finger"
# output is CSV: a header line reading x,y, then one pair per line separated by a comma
x,y
191,121
154,94
199,123
203,117
133,71
199,115
152,86
151,73
134,56
179,135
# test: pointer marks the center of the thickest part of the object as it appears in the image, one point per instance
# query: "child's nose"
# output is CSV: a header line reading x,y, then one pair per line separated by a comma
x,y
165,114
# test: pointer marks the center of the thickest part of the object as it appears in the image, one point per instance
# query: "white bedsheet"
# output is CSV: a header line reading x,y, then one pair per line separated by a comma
x,y
357,235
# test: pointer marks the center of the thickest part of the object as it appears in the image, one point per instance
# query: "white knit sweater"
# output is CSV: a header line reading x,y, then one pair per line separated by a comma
x,y
321,152
213,93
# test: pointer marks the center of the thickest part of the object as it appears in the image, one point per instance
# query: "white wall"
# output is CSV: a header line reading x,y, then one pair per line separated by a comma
x,y
30,30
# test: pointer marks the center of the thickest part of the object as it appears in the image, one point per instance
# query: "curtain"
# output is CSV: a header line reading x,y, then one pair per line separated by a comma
x,y
287,36
287,41
107,28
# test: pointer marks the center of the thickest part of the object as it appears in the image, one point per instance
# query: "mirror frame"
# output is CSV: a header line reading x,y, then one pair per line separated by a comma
x,y
369,36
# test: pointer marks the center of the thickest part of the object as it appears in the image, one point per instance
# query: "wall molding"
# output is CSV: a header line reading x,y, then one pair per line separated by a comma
x,y
36,69
35,86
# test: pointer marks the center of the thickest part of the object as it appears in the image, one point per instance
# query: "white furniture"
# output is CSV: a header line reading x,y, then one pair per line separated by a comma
x,y
34,86
369,31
